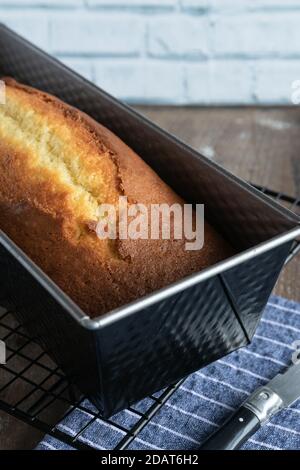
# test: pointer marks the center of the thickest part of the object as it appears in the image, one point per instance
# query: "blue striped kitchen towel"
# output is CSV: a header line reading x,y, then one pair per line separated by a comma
x,y
209,396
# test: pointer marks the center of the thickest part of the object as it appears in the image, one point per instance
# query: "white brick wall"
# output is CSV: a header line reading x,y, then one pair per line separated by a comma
x,y
256,35
178,36
285,71
142,82
98,35
171,51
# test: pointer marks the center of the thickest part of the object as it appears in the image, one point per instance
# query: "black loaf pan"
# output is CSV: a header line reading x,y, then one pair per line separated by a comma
x,y
142,347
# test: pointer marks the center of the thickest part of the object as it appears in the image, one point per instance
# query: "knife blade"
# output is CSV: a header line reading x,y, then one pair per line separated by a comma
x,y
260,406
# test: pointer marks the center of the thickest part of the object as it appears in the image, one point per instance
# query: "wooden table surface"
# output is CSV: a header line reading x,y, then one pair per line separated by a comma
x,y
259,145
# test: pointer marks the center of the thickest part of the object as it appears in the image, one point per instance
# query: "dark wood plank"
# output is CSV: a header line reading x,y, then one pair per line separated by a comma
x,y
259,145
16,435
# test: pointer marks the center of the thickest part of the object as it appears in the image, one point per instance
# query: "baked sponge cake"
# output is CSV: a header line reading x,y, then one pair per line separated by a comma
x,y
57,165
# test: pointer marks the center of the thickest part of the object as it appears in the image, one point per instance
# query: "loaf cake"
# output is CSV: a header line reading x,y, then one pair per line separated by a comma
x,y
56,166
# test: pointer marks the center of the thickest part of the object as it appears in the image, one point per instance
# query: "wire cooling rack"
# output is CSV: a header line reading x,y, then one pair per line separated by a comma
x,y
34,390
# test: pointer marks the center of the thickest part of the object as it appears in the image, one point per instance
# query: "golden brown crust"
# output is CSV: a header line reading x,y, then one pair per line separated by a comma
x,y
56,165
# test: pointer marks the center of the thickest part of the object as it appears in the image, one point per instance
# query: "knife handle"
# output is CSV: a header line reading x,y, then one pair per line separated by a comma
x,y
234,432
